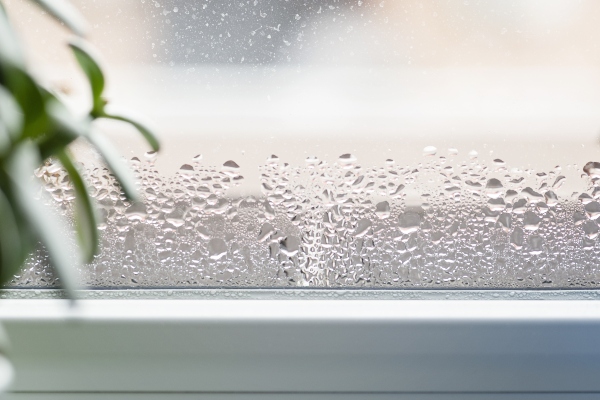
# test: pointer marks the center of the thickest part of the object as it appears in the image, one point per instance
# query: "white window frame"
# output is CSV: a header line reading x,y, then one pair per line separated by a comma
x,y
318,345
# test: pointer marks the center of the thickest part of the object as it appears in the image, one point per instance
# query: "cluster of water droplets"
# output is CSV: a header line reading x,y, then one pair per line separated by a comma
x,y
444,222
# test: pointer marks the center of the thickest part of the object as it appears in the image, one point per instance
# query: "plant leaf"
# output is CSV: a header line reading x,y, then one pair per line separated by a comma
x,y
65,12
11,251
4,140
64,122
85,214
64,128
42,221
10,113
88,60
151,139
29,97
116,165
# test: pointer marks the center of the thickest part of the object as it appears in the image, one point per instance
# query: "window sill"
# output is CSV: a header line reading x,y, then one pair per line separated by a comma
x,y
230,349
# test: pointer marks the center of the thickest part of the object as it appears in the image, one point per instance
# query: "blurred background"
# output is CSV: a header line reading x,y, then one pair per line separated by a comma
x,y
519,80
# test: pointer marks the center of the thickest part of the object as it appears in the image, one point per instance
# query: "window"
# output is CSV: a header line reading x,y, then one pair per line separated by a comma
x,y
343,144
329,144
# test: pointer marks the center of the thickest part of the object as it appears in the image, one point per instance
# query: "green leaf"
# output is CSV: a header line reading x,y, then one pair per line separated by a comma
x,y
118,167
53,144
11,250
85,214
10,114
88,60
10,51
141,127
64,122
66,13
64,128
43,222
28,96
5,141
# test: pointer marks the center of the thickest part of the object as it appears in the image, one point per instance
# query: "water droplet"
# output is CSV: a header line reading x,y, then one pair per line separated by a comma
x,y
265,231
531,221
231,168
175,218
510,195
212,199
579,218
358,180
53,168
489,215
186,169
220,207
129,243
429,151
409,222
151,155
551,198
269,211
217,249
531,195
273,250
202,231
536,243
311,160
382,210
590,229
558,182
592,168
494,188
496,204
347,160
585,198
136,212
505,220
517,238
272,159
592,209
397,191
289,246
362,227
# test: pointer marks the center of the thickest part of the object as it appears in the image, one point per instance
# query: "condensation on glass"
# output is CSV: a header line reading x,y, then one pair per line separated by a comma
x,y
354,144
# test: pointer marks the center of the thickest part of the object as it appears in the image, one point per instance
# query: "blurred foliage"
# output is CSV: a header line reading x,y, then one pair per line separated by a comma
x,y
34,126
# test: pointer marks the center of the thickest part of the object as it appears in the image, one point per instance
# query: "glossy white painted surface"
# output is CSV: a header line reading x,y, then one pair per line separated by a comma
x,y
227,349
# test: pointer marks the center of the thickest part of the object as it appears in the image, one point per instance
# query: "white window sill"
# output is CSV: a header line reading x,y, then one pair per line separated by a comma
x,y
251,349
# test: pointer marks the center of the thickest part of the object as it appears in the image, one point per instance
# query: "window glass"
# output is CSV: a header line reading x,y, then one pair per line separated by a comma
x,y
324,143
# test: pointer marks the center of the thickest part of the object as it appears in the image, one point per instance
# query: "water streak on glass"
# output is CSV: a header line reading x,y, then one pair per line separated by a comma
x,y
449,221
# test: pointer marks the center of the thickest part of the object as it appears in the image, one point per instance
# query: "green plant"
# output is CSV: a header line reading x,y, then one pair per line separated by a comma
x,y
36,125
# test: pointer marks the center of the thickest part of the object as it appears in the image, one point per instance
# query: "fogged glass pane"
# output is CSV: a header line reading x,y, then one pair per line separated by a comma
x,y
382,144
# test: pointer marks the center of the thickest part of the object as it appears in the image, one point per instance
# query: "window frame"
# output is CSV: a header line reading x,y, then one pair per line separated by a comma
x,y
317,348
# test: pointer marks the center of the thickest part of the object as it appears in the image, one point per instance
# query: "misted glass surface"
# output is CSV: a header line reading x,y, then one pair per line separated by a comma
x,y
379,144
